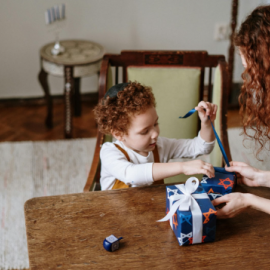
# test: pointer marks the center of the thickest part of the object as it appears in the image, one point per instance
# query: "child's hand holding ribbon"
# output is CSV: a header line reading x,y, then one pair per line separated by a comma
x,y
206,109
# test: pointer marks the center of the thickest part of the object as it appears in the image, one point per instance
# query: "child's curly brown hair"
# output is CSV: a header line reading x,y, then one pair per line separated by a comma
x,y
114,114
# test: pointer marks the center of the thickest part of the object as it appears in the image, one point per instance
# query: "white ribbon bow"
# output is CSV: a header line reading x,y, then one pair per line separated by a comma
x,y
187,201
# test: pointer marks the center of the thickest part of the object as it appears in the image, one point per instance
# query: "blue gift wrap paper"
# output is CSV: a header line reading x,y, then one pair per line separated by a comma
x,y
223,183
182,223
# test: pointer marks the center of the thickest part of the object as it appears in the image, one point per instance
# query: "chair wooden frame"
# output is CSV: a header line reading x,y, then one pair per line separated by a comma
x,y
200,59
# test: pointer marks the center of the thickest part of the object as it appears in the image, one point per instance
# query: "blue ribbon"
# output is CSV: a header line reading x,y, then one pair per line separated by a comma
x,y
222,170
217,137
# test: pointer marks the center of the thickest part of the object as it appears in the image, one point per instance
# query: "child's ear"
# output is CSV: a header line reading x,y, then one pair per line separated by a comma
x,y
117,135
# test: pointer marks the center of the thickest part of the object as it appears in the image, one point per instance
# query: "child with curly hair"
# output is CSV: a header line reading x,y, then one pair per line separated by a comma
x,y
139,157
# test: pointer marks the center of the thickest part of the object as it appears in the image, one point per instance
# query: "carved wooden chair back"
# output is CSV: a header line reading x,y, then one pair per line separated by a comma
x,y
178,82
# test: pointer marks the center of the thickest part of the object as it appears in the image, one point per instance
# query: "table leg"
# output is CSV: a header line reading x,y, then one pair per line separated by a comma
x,y
77,97
69,86
43,80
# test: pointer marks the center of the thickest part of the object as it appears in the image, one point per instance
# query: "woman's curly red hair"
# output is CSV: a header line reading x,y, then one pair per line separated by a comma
x,y
114,114
253,40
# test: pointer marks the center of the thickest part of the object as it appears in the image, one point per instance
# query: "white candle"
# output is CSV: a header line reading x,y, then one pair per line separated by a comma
x,y
52,14
57,12
47,17
63,11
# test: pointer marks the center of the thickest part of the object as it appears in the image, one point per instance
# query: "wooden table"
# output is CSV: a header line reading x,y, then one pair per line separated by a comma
x,y
67,232
81,58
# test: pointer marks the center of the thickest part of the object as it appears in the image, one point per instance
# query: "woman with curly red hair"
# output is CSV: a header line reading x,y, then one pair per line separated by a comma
x,y
253,41
139,156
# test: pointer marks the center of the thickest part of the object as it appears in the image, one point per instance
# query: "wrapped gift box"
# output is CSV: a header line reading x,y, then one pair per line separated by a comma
x,y
223,183
192,216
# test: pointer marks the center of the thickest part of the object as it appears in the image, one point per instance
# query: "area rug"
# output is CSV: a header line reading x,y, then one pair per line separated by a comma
x,y
33,169
245,150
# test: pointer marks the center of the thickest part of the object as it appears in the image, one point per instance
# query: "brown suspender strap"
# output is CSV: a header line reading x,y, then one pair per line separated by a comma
x,y
119,184
123,151
156,160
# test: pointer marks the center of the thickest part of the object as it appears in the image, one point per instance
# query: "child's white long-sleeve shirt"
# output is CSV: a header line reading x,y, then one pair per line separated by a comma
x,y
138,172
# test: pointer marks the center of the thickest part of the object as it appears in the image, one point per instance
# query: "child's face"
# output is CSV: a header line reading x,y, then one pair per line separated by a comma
x,y
143,132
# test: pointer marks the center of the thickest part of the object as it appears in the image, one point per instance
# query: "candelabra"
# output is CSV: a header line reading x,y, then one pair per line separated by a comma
x,y
55,19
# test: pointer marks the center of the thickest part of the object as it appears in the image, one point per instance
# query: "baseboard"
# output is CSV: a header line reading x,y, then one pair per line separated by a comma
x,y
85,97
93,98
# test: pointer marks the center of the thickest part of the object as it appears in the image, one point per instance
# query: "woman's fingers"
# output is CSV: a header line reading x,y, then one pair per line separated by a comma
x,y
235,203
223,212
220,200
235,168
226,210
229,169
238,163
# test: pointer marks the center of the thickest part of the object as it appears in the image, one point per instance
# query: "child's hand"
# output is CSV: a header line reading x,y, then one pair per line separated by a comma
x,y
197,167
206,109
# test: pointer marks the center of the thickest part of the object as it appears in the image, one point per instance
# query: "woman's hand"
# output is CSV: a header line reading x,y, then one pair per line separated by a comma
x,y
235,203
197,167
247,175
206,109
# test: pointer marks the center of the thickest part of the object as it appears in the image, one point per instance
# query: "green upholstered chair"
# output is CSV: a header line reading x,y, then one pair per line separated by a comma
x,y
178,81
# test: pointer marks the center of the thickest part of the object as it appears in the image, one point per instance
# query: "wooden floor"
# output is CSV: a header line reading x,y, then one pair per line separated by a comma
x,y
234,119
25,122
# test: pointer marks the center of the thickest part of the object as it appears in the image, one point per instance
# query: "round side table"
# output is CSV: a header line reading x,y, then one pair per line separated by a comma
x,y
81,58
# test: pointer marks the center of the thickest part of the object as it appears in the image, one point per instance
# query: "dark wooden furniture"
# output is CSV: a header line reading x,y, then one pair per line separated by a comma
x,y
161,59
67,232
81,58
234,12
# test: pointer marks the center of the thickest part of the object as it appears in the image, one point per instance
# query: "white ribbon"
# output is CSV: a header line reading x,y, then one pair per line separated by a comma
x,y
187,201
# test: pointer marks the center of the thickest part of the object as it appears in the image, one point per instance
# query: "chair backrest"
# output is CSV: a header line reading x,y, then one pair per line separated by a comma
x,y
220,96
178,82
176,90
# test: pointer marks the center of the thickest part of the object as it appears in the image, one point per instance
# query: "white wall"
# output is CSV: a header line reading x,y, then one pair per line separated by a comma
x,y
116,24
